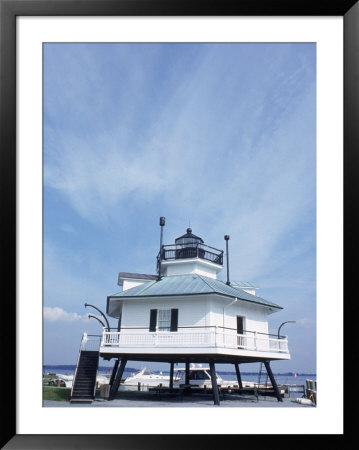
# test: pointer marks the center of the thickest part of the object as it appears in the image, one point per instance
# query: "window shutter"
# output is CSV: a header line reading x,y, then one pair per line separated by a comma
x,y
153,319
174,319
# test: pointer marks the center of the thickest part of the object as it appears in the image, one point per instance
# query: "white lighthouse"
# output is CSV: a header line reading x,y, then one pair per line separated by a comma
x,y
185,314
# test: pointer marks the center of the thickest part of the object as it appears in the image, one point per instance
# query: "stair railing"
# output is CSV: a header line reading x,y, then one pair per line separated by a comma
x,y
88,342
77,363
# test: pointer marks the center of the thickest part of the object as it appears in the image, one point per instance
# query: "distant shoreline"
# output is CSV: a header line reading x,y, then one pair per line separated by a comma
x,y
132,369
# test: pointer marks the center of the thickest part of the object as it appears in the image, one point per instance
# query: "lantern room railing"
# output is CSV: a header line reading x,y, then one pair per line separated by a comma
x,y
190,250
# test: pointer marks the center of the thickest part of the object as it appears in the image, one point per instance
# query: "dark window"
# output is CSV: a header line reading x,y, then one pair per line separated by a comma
x,y
153,319
239,325
164,320
174,319
198,375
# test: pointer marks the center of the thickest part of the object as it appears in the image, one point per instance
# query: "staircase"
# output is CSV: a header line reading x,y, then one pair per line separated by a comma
x,y
84,385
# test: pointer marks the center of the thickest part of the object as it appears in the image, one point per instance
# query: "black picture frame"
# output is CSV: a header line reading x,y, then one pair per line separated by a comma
x,y
9,10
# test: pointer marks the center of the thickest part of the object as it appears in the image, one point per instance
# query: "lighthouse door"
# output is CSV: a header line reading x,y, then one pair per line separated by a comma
x,y
240,330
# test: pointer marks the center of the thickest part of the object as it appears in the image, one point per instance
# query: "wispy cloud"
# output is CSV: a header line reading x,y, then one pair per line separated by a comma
x,y
306,322
196,139
67,228
57,314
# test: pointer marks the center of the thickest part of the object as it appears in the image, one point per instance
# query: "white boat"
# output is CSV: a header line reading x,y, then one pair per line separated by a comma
x,y
198,377
65,380
102,379
146,378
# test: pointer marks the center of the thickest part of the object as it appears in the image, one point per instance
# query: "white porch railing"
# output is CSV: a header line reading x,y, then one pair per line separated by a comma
x,y
202,337
91,342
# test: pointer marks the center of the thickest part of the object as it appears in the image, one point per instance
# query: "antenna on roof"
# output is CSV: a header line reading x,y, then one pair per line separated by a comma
x,y
162,224
226,238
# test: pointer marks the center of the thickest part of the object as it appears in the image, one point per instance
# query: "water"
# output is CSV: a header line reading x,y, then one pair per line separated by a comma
x,y
280,378
288,378
70,370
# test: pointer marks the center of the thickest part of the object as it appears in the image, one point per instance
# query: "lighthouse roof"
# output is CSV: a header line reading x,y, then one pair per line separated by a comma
x,y
188,237
191,284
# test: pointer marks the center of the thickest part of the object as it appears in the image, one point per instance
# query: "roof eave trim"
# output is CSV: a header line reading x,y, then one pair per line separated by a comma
x,y
189,295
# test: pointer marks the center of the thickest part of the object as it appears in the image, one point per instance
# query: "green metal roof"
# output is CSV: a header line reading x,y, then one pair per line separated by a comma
x,y
244,284
191,284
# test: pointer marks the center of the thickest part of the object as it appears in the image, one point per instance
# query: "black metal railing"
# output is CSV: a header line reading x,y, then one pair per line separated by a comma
x,y
173,252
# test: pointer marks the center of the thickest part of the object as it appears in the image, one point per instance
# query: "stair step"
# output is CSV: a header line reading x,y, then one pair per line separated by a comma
x,y
84,385
81,391
83,395
84,389
79,397
87,371
87,374
86,379
88,393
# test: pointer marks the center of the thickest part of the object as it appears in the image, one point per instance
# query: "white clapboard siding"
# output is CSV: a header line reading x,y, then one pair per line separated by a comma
x,y
191,311
222,313
197,311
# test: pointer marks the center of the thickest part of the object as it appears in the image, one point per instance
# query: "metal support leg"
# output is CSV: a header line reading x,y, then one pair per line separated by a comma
x,y
214,383
240,385
171,375
117,380
114,370
272,379
187,373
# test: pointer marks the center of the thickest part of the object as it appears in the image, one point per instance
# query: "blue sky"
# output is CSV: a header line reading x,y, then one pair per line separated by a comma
x,y
221,136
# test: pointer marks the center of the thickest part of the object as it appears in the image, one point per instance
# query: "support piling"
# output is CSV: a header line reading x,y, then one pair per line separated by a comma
x,y
240,385
114,370
171,375
117,380
187,373
273,381
214,384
